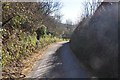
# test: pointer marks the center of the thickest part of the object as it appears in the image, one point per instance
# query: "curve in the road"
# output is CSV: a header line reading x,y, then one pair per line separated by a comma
x,y
58,62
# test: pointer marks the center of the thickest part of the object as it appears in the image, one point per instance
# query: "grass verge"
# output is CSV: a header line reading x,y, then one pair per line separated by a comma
x,y
19,56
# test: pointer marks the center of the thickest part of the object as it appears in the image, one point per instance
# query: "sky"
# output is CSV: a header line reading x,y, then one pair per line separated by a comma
x,y
71,10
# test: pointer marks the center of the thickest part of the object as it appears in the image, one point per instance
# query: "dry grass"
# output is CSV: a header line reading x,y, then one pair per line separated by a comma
x,y
29,61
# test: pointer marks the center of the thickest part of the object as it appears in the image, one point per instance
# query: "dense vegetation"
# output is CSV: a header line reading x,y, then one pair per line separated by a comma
x,y
20,20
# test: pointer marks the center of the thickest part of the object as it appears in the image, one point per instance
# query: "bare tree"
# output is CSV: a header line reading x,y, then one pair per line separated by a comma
x,y
47,7
69,22
58,16
90,7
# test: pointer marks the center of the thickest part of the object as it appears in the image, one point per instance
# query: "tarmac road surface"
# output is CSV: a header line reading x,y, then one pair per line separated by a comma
x,y
58,62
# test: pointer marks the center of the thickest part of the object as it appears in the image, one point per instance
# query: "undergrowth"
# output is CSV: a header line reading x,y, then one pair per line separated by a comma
x,y
19,46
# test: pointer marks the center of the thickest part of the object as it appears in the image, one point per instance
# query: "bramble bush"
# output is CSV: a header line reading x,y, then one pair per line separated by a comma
x,y
23,44
19,22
